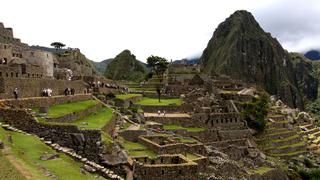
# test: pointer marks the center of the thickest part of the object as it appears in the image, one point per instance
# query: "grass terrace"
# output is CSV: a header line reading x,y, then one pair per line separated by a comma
x,y
178,127
146,101
67,108
95,120
137,149
27,150
127,96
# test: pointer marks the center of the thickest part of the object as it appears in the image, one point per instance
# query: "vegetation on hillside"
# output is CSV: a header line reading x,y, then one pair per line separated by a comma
x,y
255,113
125,66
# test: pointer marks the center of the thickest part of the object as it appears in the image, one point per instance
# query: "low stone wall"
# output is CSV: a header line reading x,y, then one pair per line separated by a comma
x,y
44,101
32,87
174,148
126,103
76,115
234,134
132,135
223,144
165,167
87,143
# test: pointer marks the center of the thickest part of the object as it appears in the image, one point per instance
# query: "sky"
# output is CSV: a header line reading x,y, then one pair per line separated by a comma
x,y
173,29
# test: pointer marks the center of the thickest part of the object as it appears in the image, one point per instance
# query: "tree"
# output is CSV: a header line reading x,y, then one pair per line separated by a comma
x,y
159,66
58,45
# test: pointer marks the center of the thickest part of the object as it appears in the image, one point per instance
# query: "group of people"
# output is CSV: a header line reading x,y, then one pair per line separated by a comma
x,y
69,91
47,92
161,113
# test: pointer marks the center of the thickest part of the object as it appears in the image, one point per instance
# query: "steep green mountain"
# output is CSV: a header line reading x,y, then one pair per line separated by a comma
x,y
125,66
101,66
240,48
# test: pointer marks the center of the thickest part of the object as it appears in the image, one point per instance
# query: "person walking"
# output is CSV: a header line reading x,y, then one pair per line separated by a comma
x,y
16,93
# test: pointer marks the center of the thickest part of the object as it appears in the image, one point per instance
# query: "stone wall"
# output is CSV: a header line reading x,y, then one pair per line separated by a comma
x,y
84,142
165,167
155,144
76,115
132,135
33,87
44,101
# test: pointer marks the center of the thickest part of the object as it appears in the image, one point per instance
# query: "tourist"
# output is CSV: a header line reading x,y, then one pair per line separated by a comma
x,y
49,92
164,113
73,91
159,112
16,93
66,92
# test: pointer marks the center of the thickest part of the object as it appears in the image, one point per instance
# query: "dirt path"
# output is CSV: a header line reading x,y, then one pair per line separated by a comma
x,y
167,115
7,154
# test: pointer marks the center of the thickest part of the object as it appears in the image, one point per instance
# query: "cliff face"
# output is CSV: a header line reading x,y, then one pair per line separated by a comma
x,y
306,76
240,48
125,66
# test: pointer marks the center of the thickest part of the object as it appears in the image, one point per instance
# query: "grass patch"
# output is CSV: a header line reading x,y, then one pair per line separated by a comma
x,y
137,149
155,102
95,120
67,108
177,127
288,154
8,171
285,139
127,96
28,149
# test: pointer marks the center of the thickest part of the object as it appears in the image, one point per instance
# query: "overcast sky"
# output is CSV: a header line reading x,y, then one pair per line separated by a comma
x,y
173,29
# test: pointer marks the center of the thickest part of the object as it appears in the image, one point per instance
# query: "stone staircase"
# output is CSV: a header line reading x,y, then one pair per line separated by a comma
x,y
312,134
281,139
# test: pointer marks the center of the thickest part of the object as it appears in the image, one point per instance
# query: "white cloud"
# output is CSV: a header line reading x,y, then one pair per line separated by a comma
x,y
103,28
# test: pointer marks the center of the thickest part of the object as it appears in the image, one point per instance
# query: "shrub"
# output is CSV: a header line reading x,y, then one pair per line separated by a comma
x,y
255,112
313,174
110,96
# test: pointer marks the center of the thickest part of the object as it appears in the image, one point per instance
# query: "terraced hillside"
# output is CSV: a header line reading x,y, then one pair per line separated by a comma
x,y
281,139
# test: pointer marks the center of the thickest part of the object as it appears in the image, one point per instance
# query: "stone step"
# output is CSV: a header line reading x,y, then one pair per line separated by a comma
x,y
308,126
289,155
287,148
280,124
282,135
310,131
277,117
286,141
275,130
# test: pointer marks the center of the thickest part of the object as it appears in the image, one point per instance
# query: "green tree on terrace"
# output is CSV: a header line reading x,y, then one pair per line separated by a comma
x,y
57,45
159,66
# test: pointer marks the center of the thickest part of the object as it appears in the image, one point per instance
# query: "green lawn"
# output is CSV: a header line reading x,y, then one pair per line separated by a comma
x,y
67,108
127,96
137,149
28,149
177,127
95,120
8,171
155,102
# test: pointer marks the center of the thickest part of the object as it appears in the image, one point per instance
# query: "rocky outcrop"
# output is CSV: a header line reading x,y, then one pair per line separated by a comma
x,y
74,60
240,48
125,66
305,76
